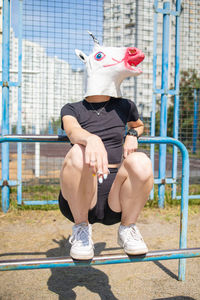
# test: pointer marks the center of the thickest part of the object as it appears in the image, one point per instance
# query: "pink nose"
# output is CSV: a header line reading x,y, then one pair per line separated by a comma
x,y
134,56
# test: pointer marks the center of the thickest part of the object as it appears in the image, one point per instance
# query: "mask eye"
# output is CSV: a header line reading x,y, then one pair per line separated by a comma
x,y
99,56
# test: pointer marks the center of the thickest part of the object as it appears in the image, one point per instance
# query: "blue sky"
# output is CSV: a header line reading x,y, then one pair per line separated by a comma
x,y
60,26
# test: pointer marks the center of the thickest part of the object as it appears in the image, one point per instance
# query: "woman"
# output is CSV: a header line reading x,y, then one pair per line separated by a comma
x,y
103,179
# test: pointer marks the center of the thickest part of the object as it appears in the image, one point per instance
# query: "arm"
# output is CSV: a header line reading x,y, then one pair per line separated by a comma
x,y
131,143
95,152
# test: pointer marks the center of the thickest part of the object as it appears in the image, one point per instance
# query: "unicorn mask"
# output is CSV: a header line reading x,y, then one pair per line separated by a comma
x,y
107,67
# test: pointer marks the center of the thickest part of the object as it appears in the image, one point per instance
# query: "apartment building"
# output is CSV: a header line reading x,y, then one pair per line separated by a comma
x,y
130,23
47,84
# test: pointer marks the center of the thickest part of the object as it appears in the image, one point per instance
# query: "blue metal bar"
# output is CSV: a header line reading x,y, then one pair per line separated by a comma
x,y
196,117
176,97
165,91
40,202
153,113
19,121
163,111
189,197
9,83
33,138
167,180
9,182
184,196
142,140
60,262
167,12
5,103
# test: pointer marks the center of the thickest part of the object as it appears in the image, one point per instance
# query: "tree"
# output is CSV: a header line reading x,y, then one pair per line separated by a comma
x,y
189,81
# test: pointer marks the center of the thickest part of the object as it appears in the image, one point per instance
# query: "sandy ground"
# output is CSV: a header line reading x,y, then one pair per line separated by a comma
x,y
26,234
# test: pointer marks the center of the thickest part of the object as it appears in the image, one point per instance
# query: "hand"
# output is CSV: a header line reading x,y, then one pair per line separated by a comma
x,y
96,157
130,145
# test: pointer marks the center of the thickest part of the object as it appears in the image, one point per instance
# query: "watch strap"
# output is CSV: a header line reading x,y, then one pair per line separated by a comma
x,y
133,132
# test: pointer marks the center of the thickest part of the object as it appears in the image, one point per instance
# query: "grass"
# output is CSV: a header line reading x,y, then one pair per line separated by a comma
x,y
194,204
51,192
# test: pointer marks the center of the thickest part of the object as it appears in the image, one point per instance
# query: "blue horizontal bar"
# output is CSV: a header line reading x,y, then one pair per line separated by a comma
x,y
33,138
60,262
10,182
166,92
39,202
10,83
167,12
189,197
166,180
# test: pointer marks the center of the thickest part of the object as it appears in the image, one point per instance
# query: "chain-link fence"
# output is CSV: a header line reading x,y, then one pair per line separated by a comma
x,y
52,75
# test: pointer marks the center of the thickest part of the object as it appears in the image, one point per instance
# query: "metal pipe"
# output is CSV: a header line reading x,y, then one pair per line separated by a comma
x,y
163,110
142,140
19,120
5,102
33,138
60,262
153,113
184,197
176,96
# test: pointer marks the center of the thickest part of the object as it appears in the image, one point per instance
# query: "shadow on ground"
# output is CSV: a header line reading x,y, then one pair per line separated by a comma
x,y
63,280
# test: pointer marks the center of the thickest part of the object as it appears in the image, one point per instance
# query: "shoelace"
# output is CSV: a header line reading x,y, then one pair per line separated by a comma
x,y
131,233
80,236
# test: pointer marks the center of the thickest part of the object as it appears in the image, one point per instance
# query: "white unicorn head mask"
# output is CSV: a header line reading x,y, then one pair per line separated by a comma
x,y
107,67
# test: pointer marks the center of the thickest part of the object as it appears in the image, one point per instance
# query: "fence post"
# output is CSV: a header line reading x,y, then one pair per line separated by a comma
x,y
163,112
5,103
153,113
196,117
19,121
176,97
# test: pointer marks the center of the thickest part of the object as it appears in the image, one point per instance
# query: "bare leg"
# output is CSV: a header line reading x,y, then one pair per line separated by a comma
x,y
131,187
78,185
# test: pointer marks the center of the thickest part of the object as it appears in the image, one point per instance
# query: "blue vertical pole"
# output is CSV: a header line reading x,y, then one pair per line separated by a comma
x,y
5,103
153,113
176,97
19,121
184,210
50,128
195,125
163,112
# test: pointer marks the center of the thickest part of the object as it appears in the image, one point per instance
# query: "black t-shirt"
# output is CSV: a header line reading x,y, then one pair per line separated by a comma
x,y
109,125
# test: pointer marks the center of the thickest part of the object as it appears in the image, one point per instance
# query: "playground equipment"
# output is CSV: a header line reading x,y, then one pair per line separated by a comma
x,y
59,262
182,253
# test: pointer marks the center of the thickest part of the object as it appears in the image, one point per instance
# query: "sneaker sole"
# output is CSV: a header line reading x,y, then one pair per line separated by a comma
x,y
82,256
133,251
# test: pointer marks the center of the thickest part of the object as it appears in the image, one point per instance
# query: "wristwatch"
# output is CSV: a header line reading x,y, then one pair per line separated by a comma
x,y
133,132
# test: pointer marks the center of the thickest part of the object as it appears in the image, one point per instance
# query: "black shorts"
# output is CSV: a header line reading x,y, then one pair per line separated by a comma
x,y
101,213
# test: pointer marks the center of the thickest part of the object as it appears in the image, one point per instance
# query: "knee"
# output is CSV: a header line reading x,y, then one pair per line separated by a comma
x,y
74,158
138,164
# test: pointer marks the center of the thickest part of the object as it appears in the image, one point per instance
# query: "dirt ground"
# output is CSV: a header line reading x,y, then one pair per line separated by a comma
x,y
27,234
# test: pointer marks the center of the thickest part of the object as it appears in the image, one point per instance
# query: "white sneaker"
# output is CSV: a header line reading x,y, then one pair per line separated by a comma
x,y
131,240
81,240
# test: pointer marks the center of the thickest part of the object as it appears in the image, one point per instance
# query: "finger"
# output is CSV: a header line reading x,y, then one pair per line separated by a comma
x,y
125,153
131,151
105,166
99,166
87,157
93,160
